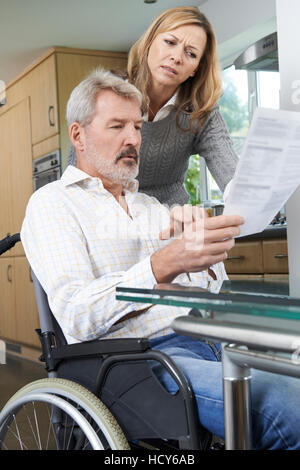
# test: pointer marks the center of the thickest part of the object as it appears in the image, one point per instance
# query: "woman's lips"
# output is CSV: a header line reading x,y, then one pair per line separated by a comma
x,y
169,69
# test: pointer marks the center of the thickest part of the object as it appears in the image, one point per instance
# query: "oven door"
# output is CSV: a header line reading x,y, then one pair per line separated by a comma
x,y
45,177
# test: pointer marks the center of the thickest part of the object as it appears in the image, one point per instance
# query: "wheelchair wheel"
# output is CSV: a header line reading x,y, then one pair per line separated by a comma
x,y
58,414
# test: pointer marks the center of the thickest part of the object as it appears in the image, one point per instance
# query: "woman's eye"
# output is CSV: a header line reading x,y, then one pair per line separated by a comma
x,y
192,54
169,41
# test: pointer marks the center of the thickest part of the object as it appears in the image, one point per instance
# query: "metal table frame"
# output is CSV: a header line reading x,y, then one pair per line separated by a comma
x,y
247,342
263,346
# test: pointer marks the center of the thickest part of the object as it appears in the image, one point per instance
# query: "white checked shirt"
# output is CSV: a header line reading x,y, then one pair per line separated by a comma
x,y
81,245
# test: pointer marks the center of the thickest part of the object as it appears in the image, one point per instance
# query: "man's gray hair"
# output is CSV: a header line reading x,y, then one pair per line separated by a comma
x,y
82,101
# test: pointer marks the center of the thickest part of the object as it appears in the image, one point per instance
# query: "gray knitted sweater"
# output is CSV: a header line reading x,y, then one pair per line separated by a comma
x,y
165,152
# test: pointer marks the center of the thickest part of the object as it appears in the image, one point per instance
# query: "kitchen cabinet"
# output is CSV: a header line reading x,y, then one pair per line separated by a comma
x,y
15,169
7,299
32,123
26,312
48,84
43,99
259,258
245,257
19,316
275,256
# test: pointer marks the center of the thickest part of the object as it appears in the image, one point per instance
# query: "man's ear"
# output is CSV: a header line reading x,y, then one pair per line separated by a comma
x,y
77,136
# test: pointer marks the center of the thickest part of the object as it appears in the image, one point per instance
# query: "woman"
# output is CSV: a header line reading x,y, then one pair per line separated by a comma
x,y
175,66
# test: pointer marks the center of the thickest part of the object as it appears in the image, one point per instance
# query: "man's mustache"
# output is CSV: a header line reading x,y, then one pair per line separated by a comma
x,y
129,151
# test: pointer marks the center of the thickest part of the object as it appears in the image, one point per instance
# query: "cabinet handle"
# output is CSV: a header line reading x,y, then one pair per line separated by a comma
x,y
230,258
280,256
8,271
51,122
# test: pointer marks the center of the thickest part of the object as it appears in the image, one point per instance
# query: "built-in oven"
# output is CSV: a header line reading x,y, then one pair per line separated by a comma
x,y
46,169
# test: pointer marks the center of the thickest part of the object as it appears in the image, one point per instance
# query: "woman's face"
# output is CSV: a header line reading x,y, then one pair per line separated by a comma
x,y
175,55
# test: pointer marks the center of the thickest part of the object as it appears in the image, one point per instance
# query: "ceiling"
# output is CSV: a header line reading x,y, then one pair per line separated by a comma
x,y
29,27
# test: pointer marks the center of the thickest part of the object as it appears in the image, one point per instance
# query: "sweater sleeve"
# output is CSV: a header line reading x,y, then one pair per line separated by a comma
x,y
214,144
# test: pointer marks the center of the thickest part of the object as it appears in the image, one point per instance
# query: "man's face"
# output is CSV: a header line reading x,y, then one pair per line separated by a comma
x,y
113,138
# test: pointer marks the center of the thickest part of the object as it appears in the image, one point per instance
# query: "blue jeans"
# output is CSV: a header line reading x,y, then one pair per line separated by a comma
x,y
275,398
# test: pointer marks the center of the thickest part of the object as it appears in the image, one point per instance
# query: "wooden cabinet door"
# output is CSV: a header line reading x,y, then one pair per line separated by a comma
x,y
6,218
16,184
245,257
275,253
7,299
21,167
26,310
42,90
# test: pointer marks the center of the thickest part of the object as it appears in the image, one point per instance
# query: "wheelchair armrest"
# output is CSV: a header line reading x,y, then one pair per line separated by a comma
x,y
52,354
102,347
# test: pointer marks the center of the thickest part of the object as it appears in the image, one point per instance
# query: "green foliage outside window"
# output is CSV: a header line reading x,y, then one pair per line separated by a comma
x,y
192,179
233,111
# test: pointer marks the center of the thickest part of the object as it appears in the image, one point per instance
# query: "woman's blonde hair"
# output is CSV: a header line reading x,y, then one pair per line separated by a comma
x,y
198,94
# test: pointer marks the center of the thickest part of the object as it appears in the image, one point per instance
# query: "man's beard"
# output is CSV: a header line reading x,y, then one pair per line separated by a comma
x,y
122,173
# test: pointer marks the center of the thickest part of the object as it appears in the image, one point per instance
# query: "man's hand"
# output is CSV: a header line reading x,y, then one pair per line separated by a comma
x,y
181,218
201,242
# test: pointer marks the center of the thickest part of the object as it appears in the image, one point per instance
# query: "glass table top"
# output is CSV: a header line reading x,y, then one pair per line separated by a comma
x,y
264,297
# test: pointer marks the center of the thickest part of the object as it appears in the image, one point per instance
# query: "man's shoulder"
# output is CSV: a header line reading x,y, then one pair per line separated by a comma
x,y
50,192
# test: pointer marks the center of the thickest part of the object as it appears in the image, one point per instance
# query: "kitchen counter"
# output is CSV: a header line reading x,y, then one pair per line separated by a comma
x,y
272,231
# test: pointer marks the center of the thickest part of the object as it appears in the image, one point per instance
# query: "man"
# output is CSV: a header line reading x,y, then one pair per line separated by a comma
x,y
91,231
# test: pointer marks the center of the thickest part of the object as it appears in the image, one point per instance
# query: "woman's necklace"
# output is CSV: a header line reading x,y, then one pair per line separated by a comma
x,y
151,114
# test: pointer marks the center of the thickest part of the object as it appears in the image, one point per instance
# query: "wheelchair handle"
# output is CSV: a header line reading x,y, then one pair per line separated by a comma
x,y
9,242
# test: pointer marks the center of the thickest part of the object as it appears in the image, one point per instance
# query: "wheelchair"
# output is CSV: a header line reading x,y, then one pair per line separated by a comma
x,y
99,395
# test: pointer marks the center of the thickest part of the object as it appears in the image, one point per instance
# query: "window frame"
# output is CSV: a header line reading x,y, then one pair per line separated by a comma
x,y
252,105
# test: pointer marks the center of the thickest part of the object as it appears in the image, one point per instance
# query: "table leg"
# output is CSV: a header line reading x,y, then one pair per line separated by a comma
x,y
237,404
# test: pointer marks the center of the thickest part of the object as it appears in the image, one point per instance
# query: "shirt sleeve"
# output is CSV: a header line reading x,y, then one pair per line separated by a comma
x,y
84,305
214,144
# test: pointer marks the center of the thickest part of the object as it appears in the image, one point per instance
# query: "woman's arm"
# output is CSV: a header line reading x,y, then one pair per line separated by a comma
x,y
214,144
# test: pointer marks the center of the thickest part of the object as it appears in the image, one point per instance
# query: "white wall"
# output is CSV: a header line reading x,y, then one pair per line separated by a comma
x,y
289,65
239,23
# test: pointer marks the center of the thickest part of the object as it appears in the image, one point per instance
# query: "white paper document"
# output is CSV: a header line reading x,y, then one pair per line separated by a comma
x,y
268,171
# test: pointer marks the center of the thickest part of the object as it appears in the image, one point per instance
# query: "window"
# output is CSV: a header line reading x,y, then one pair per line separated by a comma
x,y
234,107
243,92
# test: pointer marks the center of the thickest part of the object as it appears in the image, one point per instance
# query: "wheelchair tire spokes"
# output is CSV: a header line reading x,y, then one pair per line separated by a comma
x,y
74,418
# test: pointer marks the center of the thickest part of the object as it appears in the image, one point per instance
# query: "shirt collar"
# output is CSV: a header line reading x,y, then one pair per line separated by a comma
x,y
171,101
73,175
164,109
